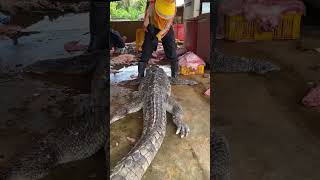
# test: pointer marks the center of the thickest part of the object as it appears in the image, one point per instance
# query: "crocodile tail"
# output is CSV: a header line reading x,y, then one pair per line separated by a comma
x,y
34,164
136,162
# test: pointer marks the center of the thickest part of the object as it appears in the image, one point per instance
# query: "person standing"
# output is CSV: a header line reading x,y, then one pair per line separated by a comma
x,y
117,41
98,25
158,22
155,42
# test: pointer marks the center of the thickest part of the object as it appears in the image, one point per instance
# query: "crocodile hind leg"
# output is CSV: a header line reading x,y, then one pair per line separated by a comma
x,y
176,110
178,81
132,82
79,65
134,106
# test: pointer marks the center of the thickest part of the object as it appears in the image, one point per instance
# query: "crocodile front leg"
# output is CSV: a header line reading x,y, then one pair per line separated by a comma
x,y
134,106
175,109
131,82
178,81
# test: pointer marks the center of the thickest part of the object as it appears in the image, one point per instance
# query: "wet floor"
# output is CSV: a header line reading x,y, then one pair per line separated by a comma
x,y
177,158
31,106
48,43
131,72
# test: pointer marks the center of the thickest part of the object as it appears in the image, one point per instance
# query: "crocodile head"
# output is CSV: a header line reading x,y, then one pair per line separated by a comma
x,y
159,75
265,67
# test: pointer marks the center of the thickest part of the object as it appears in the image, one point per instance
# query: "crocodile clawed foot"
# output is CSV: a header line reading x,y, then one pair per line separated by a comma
x,y
263,67
132,82
178,81
183,129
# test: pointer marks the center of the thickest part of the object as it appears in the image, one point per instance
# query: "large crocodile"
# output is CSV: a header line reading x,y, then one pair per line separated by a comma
x,y
155,99
83,138
87,135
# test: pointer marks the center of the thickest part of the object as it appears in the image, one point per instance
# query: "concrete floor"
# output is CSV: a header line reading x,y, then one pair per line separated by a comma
x,y
187,158
271,135
48,44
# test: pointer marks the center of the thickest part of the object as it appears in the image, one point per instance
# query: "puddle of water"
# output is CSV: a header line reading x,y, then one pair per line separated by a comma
x,y
65,22
131,72
49,43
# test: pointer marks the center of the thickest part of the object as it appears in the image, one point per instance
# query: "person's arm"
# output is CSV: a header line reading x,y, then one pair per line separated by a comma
x,y
149,10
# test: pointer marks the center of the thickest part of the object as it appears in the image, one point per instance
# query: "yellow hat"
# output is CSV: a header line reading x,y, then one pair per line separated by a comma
x,y
165,8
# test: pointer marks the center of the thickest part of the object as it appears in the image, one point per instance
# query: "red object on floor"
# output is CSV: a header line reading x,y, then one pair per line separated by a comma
x,y
74,46
312,99
123,59
179,31
207,93
190,41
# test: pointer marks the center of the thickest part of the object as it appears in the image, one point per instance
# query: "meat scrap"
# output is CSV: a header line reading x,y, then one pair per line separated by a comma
x,y
190,59
207,93
153,61
180,51
75,46
123,59
9,30
131,140
312,99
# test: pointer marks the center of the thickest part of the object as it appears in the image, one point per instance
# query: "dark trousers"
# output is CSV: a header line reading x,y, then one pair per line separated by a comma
x,y
99,37
155,45
150,42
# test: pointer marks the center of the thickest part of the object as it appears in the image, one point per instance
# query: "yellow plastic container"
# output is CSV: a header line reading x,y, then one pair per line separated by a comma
x,y
189,71
139,39
238,28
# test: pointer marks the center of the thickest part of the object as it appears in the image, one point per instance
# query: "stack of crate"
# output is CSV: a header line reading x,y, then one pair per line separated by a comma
x,y
238,28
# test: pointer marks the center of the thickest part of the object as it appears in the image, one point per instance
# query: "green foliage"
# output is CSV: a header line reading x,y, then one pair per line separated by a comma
x,y
127,9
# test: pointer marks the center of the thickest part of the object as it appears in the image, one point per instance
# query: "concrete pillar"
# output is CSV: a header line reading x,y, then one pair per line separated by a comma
x,y
191,9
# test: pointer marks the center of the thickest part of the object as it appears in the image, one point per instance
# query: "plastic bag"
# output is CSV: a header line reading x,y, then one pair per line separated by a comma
x,y
190,59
